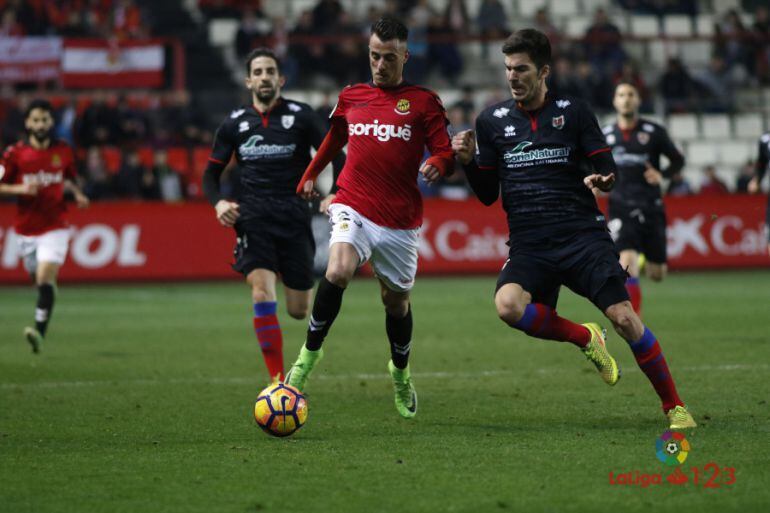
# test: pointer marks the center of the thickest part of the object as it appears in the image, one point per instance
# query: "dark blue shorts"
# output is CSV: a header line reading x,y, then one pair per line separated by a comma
x,y
586,262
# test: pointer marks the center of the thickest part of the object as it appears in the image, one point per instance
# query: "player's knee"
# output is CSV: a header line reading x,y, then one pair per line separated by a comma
x,y
260,295
509,310
339,275
656,273
397,309
298,312
623,317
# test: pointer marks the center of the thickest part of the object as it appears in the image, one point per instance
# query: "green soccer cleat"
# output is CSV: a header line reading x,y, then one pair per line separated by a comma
x,y
34,338
596,352
300,371
406,396
680,418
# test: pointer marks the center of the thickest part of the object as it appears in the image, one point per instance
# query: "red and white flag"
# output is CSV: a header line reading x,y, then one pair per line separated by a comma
x,y
29,59
91,63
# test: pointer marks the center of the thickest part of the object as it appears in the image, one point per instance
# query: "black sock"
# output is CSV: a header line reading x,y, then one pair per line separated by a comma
x,y
400,336
44,308
326,306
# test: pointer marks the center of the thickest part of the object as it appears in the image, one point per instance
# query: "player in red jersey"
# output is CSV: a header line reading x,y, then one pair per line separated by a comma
x,y
38,171
377,211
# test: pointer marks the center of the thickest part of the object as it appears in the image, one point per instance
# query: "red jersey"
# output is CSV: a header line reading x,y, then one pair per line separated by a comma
x,y
388,130
48,168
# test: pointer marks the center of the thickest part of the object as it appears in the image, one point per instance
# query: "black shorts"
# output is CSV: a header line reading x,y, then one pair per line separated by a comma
x,y
642,230
285,247
587,263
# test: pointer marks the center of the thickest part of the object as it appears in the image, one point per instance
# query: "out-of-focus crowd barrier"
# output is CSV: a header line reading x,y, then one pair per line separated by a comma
x,y
151,242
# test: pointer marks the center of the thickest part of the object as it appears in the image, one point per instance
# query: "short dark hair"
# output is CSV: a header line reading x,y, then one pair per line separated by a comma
x,y
388,28
532,42
38,103
261,52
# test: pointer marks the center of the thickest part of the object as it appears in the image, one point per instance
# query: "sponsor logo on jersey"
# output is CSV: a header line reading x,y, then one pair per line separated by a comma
x,y
558,122
250,150
563,104
518,157
643,137
402,106
510,131
43,179
287,121
383,132
501,112
625,158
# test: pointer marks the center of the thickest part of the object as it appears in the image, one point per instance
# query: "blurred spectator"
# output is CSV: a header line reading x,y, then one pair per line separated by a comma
x,y
467,104
418,21
218,8
718,82
66,118
250,31
493,23
127,20
744,177
346,60
761,36
325,16
456,16
679,186
712,184
677,87
307,55
732,41
9,24
167,180
13,121
563,79
98,183
594,88
442,49
99,122
133,124
184,122
603,44
458,119
134,181
544,24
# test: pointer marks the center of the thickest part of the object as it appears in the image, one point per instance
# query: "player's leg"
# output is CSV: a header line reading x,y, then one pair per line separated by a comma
x,y
629,260
655,241
394,261
298,302
648,354
266,325
348,249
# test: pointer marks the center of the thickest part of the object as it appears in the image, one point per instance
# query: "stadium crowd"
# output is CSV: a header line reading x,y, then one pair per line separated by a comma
x,y
153,144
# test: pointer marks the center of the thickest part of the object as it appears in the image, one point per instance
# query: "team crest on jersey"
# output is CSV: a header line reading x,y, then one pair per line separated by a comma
x,y
402,106
287,121
558,122
55,160
643,137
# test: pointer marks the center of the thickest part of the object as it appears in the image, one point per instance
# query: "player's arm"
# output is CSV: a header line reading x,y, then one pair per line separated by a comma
x,y
441,160
317,132
676,161
332,145
227,211
80,198
594,145
763,157
482,175
8,176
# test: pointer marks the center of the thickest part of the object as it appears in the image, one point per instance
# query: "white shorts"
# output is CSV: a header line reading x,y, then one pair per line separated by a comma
x,y
46,247
393,253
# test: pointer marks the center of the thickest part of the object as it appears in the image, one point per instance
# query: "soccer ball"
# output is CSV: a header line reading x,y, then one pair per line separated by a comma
x,y
280,410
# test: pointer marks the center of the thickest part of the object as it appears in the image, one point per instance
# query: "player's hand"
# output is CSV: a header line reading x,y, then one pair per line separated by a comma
x,y
227,212
82,200
464,146
28,189
652,175
600,182
308,190
753,186
324,206
430,173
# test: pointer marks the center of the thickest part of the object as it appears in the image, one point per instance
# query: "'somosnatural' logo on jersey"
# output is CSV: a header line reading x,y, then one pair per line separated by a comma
x,y
518,157
250,150
382,132
402,106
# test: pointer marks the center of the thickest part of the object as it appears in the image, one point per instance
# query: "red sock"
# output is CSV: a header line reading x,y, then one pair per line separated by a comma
x,y
542,321
650,359
268,332
635,291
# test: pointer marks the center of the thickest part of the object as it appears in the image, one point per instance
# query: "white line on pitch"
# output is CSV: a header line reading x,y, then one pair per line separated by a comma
x,y
329,377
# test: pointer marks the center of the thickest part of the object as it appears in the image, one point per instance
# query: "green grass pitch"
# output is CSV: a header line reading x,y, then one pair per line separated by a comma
x,y
142,401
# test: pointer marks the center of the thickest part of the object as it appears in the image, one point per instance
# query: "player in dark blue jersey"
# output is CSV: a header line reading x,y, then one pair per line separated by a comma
x,y
271,140
535,150
637,216
763,161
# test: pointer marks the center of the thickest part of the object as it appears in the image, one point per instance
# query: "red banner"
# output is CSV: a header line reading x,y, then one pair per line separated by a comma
x,y
153,241
89,63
